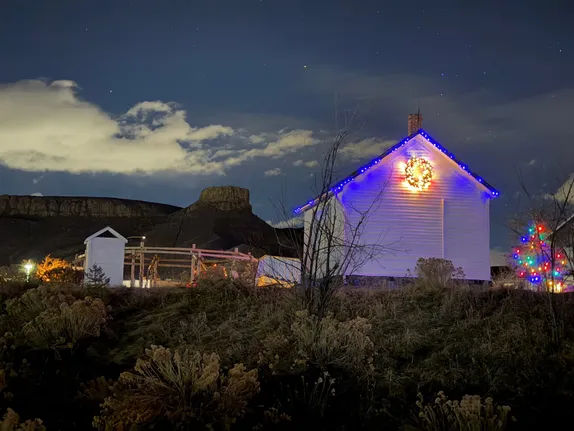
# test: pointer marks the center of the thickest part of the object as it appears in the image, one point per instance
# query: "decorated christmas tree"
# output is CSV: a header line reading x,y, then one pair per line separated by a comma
x,y
539,261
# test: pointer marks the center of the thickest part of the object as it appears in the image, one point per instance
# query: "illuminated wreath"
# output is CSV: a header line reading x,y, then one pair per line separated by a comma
x,y
418,172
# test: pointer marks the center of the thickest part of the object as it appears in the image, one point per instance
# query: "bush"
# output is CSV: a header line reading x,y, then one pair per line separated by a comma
x,y
471,413
328,342
13,289
50,317
66,325
11,422
436,271
54,270
13,273
35,301
180,387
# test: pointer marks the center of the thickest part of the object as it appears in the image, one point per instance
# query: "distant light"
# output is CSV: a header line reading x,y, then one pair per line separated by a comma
x,y
305,67
143,237
28,266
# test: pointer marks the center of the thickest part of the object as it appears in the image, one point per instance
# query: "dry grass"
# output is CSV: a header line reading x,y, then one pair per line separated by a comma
x,y
361,367
471,413
181,387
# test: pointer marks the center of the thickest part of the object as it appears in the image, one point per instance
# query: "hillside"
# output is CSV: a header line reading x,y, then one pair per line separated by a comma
x,y
31,226
221,219
69,357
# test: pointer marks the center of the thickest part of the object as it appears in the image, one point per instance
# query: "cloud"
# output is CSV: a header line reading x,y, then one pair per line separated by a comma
x,y
285,142
257,139
370,147
37,194
47,127
293,222
273,172
309,164
479,115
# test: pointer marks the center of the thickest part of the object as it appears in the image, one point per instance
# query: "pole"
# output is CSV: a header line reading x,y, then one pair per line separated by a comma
x,y
193,273
133,271
198,265
142,260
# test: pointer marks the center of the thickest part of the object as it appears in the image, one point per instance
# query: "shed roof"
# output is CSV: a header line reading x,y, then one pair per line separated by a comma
x,y
104,230
334,189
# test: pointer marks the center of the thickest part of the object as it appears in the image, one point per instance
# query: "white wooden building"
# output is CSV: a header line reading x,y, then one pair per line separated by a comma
x,y
106,249
421,202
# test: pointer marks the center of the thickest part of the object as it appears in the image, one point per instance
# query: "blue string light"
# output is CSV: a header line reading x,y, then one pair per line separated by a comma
x,y
339,186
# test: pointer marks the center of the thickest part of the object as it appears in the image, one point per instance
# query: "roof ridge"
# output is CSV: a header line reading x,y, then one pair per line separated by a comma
x,y
339,186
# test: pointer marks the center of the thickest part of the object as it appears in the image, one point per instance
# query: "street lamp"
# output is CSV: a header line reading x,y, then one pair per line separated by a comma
x,y
28,266
142,239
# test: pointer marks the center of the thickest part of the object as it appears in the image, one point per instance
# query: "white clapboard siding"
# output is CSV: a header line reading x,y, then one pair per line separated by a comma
x,y
467,234
448,220
329,248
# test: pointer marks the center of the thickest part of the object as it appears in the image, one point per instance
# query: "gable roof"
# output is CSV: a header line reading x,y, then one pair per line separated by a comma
x,y
563,224
339,186
104,230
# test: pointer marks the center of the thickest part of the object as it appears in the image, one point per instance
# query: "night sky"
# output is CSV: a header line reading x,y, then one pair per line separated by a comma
x,y
156,100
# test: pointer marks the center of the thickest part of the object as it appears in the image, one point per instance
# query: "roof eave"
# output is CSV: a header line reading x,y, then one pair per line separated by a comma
x,y
339,186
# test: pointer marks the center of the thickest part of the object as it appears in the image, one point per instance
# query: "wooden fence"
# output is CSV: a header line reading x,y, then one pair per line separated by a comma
x,y
151,266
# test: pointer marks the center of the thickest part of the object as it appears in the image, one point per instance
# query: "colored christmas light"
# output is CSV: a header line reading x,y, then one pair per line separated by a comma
x,y
418,173
338,187
535,252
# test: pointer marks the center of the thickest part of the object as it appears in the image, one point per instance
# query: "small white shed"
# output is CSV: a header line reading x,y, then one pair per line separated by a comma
x,y
106,249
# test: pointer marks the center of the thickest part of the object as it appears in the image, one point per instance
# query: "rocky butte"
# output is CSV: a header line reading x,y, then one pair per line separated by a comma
x,y
222,218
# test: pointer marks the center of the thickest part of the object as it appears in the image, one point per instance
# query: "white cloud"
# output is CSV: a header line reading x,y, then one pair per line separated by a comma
x,y
286,142
273,172
37,194
369,147
47,127
531,162
309,164
293,222
257,139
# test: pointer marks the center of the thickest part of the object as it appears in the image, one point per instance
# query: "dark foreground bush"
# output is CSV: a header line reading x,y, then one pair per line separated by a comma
x,y
183,387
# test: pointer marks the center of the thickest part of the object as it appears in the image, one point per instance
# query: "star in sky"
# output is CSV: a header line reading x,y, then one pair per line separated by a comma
x,y
210,96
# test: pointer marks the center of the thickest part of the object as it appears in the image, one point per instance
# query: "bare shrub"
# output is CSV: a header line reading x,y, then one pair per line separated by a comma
x,y
12,273
13,289
437,271
96,389
65,325
183,386
330,342
470,413
35,301
12,422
